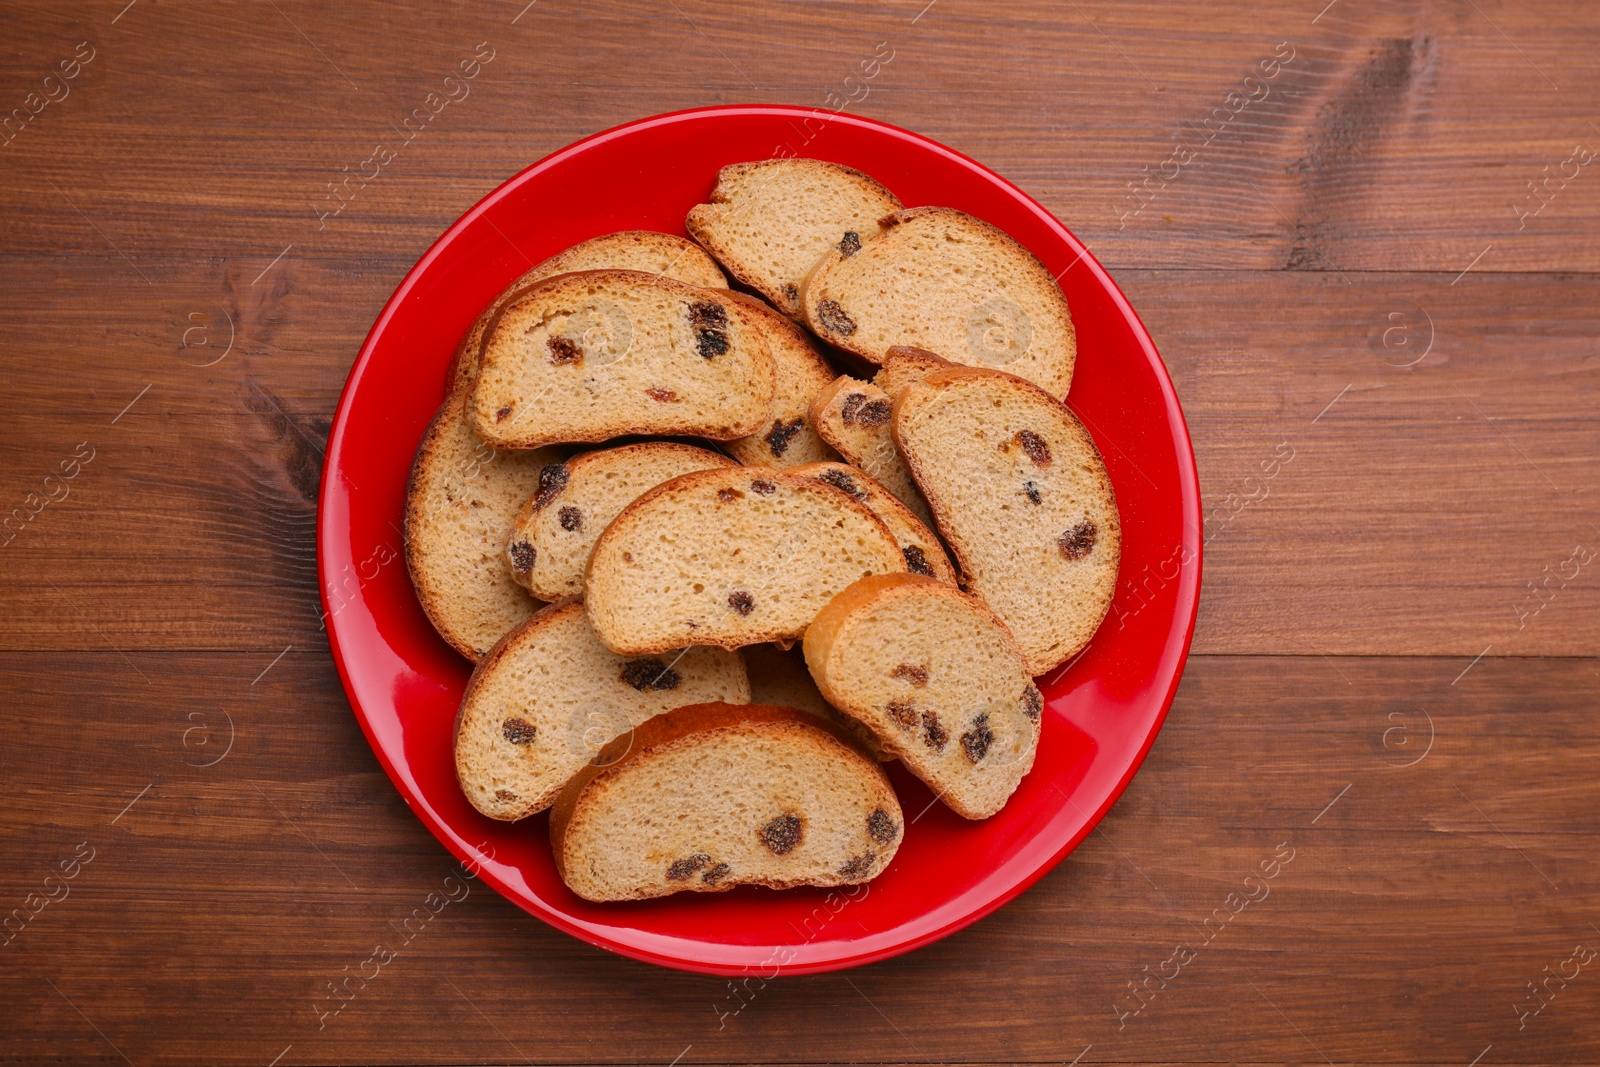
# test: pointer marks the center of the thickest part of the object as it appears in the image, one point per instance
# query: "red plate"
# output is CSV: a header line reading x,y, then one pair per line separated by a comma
x,y
1101,712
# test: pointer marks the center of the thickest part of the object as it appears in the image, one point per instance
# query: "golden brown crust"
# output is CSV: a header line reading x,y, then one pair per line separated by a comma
x,y
662,730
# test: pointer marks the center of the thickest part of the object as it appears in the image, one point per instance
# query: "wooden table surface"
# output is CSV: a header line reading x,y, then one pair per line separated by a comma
x,y
1387,261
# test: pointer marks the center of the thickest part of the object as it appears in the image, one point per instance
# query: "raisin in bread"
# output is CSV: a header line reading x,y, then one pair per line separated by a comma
x,y
460,502
640,250
770,221
549,696
951,283
922,550
550,540
730,558
787,440
778,676
853,416
597,354
712,796
1022,498
940,681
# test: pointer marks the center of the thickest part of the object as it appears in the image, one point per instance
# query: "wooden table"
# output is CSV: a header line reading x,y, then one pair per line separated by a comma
x,y
1381,258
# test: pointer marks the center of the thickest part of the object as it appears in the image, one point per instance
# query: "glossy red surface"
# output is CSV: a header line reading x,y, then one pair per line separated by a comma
x,y
1101,713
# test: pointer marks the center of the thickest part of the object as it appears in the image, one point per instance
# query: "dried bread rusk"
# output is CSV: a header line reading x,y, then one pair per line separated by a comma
x,y
729,557
461,500
853,416
938,679
943,280
598,354
641,250
770,221
549,696
711,796
1021,495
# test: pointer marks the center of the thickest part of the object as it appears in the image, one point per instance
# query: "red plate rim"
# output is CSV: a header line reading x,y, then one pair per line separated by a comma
x,y
1171,660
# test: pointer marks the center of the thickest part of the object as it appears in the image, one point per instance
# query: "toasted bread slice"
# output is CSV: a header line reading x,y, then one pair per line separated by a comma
x,y
1022,497
778,676
640,250
770,221
729,558
853,416
788,440
712,796
545,700
460,502
550,540
598,354
904,364
940,681
948,282
922,550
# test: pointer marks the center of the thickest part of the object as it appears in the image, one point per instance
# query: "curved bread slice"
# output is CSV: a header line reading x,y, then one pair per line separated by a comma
x,y
598,354
938,678
902,365
547,698
730,558
922,550
641,250
576,500
779,677
1022,497
943,280
460,502
769,222
854,416
712,796
787,440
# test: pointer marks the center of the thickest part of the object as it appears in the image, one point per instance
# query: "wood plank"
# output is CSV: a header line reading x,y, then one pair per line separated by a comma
x,y
1398,137
1419,503
264,876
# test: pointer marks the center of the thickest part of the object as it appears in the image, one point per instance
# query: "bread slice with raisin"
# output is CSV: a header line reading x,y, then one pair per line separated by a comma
x,y
549,696
940,681
904,364
730,558
853,416
779,676
770,221
551,538
461,500
1022,497
711,796
640,250
788,439
597,354
922,550
950,283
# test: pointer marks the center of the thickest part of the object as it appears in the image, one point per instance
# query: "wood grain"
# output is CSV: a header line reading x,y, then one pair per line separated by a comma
x,y
264,876
1349,266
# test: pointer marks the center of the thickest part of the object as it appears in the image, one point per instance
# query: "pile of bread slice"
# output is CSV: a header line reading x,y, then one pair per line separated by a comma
x,y
644,489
